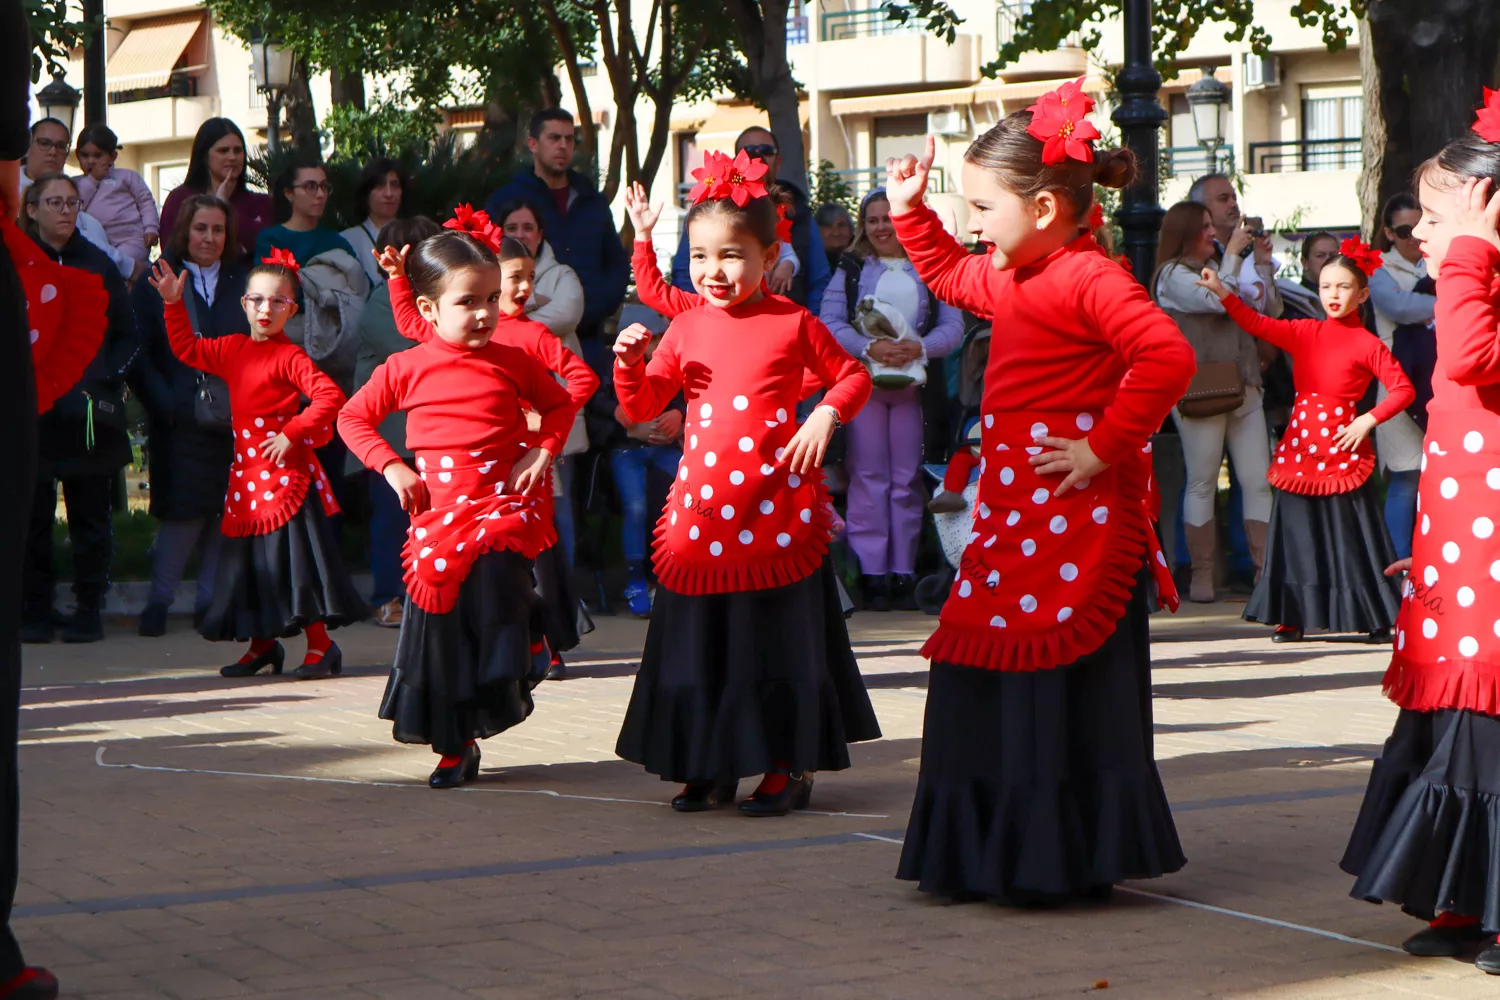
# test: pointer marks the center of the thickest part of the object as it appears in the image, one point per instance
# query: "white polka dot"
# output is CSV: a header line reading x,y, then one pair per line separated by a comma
x,y
707,492
1039,496
993,580
1312,449
779,453
767,506
1450,552
1100,515
766,470
1007,476
710,459
806,516
989,420
1002,446
446,461
736,477
440,564
1468,645
984,510
794,480
1085,422
237,496
1058,524
49,292
693,532
1161,558
1028,547
687,499
1028,603
674,517
250,451
1038,429
1324,432
1033,451
1424,463
1068,572
1473,441
726,511
259,422
1430,575
997,622
741,403
746,537
704,423
245,433
1322,416
714,548
1492,479
1429,628
1065,614
1497,627
682,473
692,441
1483,527
1495,570
421,533
1012,519
285,480
965,588
746,444
1401,639
268,495
990,541
1448,488
421,463
36,335
1426,524
443,477
783,539
252,504
781,415
264,474
1465,596
706,410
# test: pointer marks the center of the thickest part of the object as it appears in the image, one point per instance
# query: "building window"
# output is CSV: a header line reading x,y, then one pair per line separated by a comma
x,y
1332,124
257,98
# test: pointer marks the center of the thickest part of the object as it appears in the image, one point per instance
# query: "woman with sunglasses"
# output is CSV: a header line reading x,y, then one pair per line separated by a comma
x,y
1405,299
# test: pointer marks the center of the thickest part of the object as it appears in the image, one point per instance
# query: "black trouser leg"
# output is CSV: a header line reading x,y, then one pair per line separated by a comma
x,y
90,502
37,592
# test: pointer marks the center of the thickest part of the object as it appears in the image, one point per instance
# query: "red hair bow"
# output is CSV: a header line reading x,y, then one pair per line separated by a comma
x,y
783,225
477,224
1364,257
1487,121
739,179
282,258
1058,122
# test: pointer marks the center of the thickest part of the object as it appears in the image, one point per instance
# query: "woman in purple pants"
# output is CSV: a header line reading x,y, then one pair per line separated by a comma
x,y
875,295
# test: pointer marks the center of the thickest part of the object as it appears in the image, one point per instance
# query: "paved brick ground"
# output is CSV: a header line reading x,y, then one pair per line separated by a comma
x,y
190,838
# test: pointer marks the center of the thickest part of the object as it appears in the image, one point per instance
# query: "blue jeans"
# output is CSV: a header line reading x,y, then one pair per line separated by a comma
x,y
630,466
388,525
1401,509
562,507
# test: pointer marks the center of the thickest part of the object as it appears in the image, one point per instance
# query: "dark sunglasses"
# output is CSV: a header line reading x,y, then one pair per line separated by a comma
x,y
1402,232
759,151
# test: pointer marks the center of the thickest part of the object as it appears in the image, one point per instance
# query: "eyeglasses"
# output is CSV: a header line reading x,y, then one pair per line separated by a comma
x,y
275,302
53,146
759,151
1402,232
60,204
311,188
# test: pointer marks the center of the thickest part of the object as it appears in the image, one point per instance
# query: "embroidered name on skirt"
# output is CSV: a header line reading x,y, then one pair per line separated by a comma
x,y
1306,462
735,518
1447,648
1044,579
471,514
263,495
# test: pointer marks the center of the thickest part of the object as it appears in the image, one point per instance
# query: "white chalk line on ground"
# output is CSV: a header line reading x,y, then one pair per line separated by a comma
x,y
545,792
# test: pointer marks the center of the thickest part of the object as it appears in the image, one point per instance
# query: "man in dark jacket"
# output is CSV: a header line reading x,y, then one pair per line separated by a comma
x,y
813,270
578,222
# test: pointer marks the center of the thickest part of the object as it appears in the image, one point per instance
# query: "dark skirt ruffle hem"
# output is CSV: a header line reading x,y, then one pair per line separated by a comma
x,y
564,616
274,585
466,675
1042,785
1325,564
729,684
1428,833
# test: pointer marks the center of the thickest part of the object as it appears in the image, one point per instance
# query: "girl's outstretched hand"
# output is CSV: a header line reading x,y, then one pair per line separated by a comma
x,y
1210,280
1074,457
906,178
1478,212
408,486
631,344
167,281
642,216
392,261
530,471
804,452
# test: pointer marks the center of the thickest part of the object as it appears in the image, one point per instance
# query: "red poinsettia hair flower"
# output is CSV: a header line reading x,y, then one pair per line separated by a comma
x,y
1487,121
739,179
1096,216
282,258
1058,122
477,224
1364,257
783,225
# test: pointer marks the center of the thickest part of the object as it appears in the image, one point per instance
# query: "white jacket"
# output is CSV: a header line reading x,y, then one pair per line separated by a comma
x,y
1398,441
557,303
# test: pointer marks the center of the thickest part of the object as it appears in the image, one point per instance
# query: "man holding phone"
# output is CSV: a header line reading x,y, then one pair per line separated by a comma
x,y
1243,238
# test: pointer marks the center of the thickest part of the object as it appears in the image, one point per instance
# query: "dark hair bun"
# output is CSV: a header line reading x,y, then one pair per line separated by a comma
x,y
1115,168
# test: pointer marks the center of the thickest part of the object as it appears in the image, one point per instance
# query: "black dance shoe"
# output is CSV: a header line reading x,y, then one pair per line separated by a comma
x,y
903,592
153,621
701,796
556,669
1489,959
34,983
795,795
875,592
467,769
1379,635
1287,633
275,658
330,664
1449,942
85,625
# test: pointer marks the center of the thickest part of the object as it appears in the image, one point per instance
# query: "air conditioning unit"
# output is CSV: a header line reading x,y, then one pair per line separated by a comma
x,y
949,122
1262,71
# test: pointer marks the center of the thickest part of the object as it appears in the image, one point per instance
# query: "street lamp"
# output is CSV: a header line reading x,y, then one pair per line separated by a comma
x,y
60,101
272,63
1207,100
1140,117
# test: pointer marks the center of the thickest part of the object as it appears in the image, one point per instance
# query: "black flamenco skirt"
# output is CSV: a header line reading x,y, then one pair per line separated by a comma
x,y
466,674
1325,564
564,618
275,585
1042,786
732,684
1428,832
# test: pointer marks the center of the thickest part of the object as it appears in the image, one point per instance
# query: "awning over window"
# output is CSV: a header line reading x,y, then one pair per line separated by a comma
x,y
150,51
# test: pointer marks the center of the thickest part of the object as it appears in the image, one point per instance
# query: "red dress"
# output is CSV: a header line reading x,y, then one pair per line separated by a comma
x,y
1080,349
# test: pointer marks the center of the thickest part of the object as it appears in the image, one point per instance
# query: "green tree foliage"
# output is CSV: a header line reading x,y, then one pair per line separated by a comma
x,y
57,27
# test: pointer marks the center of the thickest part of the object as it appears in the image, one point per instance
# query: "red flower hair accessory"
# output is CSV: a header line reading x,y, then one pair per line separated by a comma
x,y
477,224
783,225
738,179
1096,217
1364,257
1487,121
1058,122
282,258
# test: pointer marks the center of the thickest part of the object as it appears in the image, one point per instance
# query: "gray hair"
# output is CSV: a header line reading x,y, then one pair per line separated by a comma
x,y
1200,186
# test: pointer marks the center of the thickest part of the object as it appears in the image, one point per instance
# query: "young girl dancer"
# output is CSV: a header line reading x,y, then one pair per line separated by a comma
x,y
1037,780
747,667
1325,562
1428,833
480,506
515,328
280,571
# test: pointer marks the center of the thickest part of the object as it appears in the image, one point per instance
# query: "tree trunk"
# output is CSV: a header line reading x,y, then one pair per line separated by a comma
x,y
567,47
301,117
1430,63
347,87
762,30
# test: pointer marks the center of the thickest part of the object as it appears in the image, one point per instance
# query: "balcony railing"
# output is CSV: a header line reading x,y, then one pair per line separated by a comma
x,y
796,29
1306,154
846,24
1195,161
1008,14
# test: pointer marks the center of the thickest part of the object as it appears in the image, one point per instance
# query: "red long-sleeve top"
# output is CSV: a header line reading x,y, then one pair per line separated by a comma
x,y
517,331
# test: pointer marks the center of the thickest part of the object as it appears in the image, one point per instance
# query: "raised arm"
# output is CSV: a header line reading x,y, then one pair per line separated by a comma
x,y
1161,363
359,421
1468,327
653,291
315,422
409,321
646,388
202,353
1399,391
573,370
1287,334
956,276
847,380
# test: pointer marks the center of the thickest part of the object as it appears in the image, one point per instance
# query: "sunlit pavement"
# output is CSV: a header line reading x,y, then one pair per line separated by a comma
x,y
188,837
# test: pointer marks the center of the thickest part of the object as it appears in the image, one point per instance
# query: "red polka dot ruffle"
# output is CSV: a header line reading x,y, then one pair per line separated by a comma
x,y
263,495
1307,462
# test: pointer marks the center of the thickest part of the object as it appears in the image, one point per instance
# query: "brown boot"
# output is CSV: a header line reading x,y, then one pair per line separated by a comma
x,y
1203,547
1255,535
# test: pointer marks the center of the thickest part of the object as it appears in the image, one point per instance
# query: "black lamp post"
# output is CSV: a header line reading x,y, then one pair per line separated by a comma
x,y
94,106
59,100
1140,117
272,64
